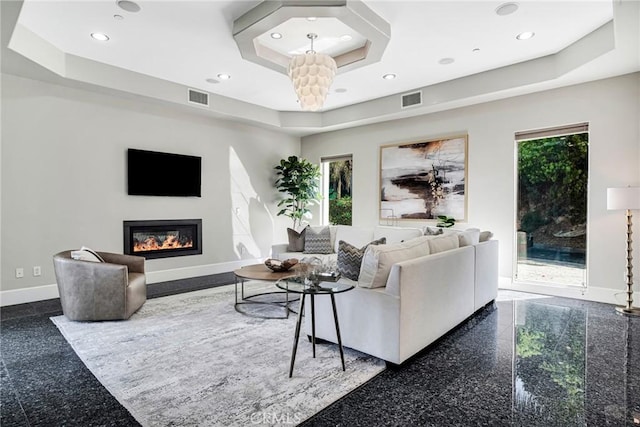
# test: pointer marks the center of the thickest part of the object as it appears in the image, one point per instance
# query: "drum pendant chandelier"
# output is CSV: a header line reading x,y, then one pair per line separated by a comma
x,y
312,75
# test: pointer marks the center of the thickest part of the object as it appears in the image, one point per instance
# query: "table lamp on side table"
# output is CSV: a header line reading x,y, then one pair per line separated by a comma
x,y
626,198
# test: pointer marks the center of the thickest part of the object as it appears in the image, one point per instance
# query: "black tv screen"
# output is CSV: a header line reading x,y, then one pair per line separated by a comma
x,y
151,173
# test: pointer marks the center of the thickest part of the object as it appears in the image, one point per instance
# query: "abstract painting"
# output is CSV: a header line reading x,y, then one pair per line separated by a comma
x,y
422,180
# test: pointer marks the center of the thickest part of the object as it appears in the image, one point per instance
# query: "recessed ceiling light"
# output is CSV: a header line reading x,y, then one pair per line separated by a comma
x,y
99,36
346,38
506,9
311,18
526,35
118,17
276,36
340,90
389,76
222,76
212,81
128,5
446,61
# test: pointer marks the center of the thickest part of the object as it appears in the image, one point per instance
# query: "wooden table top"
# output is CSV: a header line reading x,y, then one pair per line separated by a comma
x,y
262,272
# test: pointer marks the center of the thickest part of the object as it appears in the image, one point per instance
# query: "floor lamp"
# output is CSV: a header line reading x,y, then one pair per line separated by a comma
x,y
626,198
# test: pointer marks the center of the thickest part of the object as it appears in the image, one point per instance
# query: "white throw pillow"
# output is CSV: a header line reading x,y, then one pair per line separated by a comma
x,y
86,254
469,237
444,243
378,260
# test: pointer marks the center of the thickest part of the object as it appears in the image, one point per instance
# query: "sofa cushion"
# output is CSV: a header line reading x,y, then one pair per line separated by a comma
x,y
356,236
469,237
350,257
378,260
443,243
317,241
296,240
396,234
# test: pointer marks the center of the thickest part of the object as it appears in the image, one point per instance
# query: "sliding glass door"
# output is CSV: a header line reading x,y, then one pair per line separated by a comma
x,y
551,215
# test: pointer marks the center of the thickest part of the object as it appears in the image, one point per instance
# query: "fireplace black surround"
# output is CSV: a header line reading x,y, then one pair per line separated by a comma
x,y
163,238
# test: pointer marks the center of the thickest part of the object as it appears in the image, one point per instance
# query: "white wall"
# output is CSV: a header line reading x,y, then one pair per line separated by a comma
x,y
612,108
64,182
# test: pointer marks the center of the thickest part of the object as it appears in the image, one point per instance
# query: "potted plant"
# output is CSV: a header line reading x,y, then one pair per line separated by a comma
x,y
445,221
298,179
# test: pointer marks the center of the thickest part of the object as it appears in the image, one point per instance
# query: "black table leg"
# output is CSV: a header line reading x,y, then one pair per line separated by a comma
x,y
313,325
335,318
295,338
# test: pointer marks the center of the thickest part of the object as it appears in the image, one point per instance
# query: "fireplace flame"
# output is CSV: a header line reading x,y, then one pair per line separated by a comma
x,y
151,244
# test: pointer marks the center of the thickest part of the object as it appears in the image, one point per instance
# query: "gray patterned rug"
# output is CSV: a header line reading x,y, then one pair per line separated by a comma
x,y
192,360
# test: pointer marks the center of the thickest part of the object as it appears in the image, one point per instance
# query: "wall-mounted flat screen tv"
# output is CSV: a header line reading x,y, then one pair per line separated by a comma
x,y
152,173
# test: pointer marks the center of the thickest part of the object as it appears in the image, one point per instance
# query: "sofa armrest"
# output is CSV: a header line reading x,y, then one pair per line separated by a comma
x,y
135,264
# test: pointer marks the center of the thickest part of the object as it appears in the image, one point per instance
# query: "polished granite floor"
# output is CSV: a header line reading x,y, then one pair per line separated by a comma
x,y
524,360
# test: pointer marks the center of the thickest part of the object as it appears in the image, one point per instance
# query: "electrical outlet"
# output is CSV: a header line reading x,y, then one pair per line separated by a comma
x,y
19,273
37,271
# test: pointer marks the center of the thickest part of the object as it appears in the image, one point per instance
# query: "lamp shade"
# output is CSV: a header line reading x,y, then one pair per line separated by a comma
x,y
623,198
312,74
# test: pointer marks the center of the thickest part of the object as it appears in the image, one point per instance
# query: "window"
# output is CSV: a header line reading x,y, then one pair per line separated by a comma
x,y
551,212
336,190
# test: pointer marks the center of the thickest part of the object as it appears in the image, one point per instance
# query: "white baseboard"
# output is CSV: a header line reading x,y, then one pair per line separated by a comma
x,y
41,293
197,271
591,293
35,293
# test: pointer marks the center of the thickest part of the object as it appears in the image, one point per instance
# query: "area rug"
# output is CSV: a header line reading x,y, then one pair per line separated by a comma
x,y
193,360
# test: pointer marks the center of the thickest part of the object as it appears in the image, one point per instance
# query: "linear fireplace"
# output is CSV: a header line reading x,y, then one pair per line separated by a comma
x,y
163,238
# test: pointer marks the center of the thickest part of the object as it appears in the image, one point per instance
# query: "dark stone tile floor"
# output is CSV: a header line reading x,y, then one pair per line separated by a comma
x,y
523,360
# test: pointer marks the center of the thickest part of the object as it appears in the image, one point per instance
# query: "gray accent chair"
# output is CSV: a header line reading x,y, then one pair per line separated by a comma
x,y
110,290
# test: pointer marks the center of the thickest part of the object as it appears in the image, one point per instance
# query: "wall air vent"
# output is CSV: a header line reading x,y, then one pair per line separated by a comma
x,y
412,99
199,98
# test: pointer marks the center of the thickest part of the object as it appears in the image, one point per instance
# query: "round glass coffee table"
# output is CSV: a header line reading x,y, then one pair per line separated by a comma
x,y
324,288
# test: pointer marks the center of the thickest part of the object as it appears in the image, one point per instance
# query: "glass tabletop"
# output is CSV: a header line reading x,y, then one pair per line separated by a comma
x,y
295,286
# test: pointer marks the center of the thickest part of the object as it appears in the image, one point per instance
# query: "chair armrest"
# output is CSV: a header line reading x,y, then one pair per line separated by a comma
x,y
135,264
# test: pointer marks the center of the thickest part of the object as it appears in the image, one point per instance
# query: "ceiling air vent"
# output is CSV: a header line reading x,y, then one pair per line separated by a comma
x,y
412,99
199,98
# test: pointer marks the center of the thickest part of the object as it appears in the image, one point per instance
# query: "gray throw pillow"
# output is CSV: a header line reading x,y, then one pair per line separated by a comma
x,y
296,240
317,242
350,257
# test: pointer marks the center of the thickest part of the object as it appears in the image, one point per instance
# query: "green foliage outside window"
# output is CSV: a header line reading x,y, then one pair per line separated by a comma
x,y
340,203
340,211
552,180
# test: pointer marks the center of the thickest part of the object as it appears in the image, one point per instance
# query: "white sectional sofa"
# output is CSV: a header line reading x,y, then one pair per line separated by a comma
x,y
422,299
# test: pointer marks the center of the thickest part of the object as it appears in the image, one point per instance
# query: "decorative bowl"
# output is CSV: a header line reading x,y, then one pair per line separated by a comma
x,y
280,266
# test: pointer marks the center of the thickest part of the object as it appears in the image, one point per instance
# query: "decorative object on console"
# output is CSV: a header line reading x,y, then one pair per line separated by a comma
x,y
422,180
278,265
626,198
312,75
350,257
298,180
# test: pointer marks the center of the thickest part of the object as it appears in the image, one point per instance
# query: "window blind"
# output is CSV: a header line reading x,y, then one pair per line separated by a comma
x,y
554,131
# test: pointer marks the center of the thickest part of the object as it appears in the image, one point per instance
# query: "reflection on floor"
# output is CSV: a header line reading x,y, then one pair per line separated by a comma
x,y
527,360
524,360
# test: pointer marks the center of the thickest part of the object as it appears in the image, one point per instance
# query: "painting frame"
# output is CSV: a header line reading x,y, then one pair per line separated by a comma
x,y
421,180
